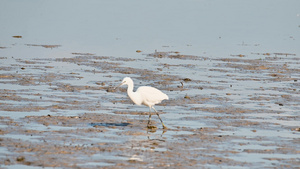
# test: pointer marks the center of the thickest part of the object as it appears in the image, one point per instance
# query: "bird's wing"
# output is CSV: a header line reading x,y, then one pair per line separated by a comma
x,y
151,95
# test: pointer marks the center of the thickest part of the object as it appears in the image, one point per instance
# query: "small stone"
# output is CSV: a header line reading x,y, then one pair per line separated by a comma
x,y
20,158
187,97
187,79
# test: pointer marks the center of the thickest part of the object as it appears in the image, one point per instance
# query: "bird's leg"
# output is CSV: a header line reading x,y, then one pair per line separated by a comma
x,y
149,116
159,118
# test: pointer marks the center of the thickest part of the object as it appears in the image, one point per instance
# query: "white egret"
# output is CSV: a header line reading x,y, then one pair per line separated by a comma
x,y
146,95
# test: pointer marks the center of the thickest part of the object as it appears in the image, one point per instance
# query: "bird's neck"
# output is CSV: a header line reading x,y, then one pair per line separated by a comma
x,y
130,89
134,96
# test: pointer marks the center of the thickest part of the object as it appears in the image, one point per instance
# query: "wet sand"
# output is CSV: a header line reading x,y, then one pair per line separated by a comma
x,y
234,112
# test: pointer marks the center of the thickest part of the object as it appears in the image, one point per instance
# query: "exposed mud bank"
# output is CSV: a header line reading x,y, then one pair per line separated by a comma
x,y
230,112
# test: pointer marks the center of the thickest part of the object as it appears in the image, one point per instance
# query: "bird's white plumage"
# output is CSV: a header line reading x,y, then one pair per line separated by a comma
x,y
146,95
151,96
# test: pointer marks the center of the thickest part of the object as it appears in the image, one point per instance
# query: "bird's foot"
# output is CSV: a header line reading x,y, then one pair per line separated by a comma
x,y
151,127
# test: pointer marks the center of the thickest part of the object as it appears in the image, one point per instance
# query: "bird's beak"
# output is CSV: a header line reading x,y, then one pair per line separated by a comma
x,y
119,85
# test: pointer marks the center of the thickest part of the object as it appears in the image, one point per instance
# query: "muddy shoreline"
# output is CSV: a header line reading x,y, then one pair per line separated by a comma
x,y
233,112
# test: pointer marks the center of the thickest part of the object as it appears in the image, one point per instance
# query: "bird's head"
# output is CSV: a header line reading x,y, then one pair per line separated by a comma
x,y
125,81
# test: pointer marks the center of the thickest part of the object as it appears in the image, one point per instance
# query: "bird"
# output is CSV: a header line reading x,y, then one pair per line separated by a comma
x,y
145,95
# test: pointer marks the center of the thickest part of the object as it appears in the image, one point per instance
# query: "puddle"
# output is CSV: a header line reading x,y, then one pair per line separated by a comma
x,y
24,137
25,167
108,124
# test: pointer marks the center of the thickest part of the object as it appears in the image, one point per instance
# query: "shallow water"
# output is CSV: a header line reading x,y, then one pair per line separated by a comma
x,y
230,69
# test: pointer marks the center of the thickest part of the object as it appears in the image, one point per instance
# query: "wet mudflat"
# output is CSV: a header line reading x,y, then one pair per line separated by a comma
x,y
240,111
